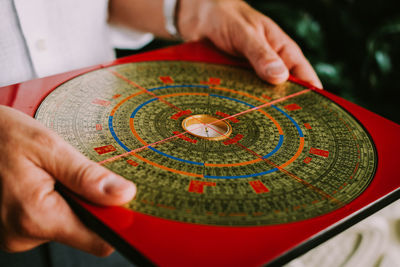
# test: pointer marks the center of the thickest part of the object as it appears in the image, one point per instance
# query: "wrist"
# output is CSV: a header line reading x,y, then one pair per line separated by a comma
x,y
195,18
191,16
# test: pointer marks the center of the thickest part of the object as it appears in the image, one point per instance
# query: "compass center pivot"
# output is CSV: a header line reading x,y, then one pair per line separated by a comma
x,y
207,127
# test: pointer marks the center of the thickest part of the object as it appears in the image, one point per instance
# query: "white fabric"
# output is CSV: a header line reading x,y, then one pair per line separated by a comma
x,y
59,35
374,242
15,65
169,8
128,39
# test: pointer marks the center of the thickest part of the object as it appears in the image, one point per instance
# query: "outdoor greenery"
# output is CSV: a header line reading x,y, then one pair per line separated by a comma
x,y
354,45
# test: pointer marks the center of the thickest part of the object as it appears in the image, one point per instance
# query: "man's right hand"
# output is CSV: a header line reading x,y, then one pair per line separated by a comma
x,y
32,159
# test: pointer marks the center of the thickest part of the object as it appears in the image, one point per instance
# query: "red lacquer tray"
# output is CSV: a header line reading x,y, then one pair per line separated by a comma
x,y
148,240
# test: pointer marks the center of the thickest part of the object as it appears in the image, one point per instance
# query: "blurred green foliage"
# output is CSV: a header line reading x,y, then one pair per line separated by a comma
x,y
354,46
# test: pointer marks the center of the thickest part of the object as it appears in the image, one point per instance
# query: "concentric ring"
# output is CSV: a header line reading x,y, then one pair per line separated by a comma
x,y
292,154
278,146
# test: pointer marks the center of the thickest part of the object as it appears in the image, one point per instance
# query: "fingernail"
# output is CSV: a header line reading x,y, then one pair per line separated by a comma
x,y
114,185
276,69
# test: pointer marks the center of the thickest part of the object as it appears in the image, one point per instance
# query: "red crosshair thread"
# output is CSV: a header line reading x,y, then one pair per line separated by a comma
x,y
316,189
144,89
223,119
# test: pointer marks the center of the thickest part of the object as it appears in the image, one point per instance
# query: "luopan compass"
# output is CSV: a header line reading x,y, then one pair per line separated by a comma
x,y
286,168
212,144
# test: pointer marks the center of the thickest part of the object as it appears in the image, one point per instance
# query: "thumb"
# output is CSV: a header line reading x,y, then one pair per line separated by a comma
x,y
85,177
266,62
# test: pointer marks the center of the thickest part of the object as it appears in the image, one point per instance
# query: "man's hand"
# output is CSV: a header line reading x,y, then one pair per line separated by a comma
x,y
232,25
32,158
238,29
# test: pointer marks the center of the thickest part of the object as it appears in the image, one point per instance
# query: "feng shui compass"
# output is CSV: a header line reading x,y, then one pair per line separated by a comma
x,y
229,169
214,144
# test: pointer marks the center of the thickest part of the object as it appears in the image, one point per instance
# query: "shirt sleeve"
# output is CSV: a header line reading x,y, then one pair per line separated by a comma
x,y
128,39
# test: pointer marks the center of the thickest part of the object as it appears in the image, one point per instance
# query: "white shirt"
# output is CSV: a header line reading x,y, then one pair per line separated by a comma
x,y
43,37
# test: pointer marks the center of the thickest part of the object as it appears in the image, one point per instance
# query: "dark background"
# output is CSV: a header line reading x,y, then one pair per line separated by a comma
x,y
354,46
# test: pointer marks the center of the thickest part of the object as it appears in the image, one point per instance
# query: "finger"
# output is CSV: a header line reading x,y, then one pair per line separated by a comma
x,y
65,227
66,164
290,53
84,177
266,62
12,243
299,65
50,217
36,213
61,224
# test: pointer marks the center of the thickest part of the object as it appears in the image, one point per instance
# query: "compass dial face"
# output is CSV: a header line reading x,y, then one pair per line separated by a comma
x,y
213,144
207,127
